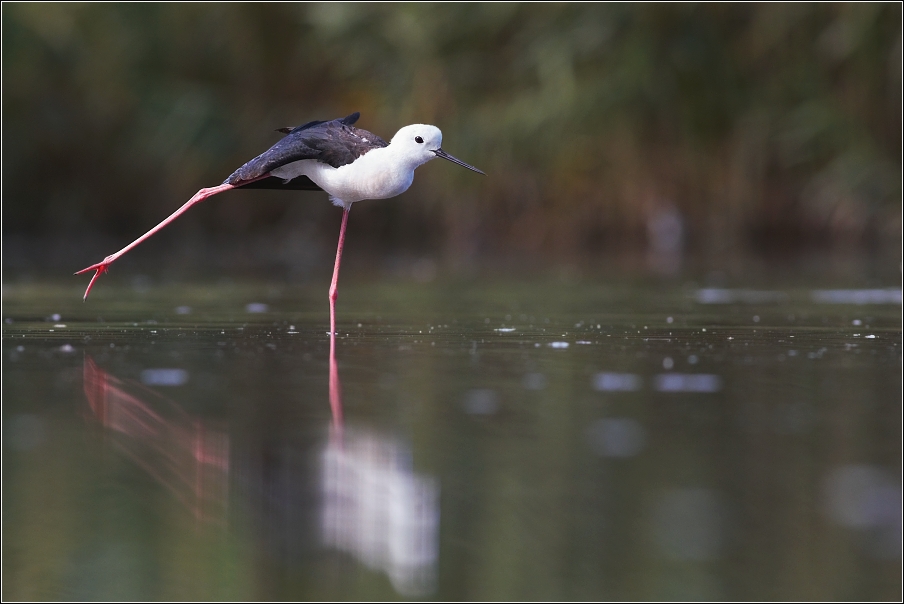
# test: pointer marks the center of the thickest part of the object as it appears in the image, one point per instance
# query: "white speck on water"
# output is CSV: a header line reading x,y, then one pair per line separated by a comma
x,y
668,363
868,499
256,307
67,348
616,437
870,336
857,296
164,377
558,344
756,318
504,329
55,317
481,401
687,382
607,381
290,331
856,322
24,432
59,325
704,329
583,342
746,296
669,320
534,381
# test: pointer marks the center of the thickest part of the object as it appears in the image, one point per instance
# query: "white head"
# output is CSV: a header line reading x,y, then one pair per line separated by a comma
x,y
419,143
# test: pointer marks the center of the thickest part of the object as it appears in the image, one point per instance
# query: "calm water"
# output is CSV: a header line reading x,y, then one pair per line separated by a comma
x,y
472,440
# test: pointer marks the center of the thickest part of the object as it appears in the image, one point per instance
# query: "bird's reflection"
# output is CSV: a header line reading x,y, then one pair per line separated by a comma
x,y
374,506
179,451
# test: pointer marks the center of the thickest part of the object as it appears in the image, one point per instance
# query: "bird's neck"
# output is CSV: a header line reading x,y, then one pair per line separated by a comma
x,y
404,161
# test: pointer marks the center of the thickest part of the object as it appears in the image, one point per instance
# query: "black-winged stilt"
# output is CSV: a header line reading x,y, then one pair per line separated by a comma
x,y
349,163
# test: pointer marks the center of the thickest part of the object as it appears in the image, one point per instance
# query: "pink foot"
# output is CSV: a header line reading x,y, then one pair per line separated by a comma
x,y
100,267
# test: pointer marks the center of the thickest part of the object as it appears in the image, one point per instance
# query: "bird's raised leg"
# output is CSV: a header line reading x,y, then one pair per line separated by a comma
x,y
334,287
102,266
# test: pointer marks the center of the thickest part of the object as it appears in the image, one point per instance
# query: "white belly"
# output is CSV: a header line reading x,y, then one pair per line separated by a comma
x,y
371,176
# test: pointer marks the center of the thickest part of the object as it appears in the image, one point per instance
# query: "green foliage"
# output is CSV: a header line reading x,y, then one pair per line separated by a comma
x,y
758,118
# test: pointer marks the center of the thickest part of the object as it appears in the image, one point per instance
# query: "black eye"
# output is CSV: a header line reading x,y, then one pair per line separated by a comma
x,y
418,140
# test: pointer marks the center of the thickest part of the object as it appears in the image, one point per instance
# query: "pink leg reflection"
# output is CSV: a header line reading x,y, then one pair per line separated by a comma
x,y
335,394
179,451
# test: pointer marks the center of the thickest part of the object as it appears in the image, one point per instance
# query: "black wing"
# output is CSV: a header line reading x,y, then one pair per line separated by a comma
x,y
335,142
300,183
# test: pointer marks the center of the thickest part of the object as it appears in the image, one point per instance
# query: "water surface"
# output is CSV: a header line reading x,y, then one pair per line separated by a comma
x,y
501,440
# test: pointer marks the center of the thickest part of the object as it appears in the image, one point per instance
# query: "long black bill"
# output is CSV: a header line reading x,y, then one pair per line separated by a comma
x,y
444,155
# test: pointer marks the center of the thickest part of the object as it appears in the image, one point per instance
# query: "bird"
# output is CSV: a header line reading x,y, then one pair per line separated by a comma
x,y
348,163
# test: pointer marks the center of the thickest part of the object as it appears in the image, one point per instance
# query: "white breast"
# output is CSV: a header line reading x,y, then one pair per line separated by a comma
x,y
372,176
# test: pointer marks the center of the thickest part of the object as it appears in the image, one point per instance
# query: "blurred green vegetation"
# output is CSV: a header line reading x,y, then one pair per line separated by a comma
x,y
764,125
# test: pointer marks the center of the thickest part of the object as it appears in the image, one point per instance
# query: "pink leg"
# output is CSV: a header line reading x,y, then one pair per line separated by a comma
x,y
334,288
101,267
